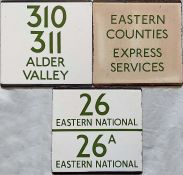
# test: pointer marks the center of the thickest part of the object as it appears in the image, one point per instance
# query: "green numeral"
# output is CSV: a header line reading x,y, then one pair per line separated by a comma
x,y
58,25
81,154
34,14
98,104
39,40
42,43
84,112
37,16
96,145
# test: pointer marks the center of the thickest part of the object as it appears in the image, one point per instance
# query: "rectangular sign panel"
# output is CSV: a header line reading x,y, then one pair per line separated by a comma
x,y
97,131
137,43
46,43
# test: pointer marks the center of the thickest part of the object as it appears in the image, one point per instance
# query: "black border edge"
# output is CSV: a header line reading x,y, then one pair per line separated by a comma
x,y
99,173
40,1
94,86
137,1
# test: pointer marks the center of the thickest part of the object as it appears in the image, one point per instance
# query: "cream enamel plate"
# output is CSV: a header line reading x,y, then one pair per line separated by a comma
x,y
97,131
137,43
46,43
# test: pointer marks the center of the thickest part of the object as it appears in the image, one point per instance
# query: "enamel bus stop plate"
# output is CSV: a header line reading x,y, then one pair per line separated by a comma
x,y
97,131
137,43
46,43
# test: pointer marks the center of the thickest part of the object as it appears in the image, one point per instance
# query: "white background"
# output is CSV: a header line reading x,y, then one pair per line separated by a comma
x,y
76,41
123,104
25,131
128,147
